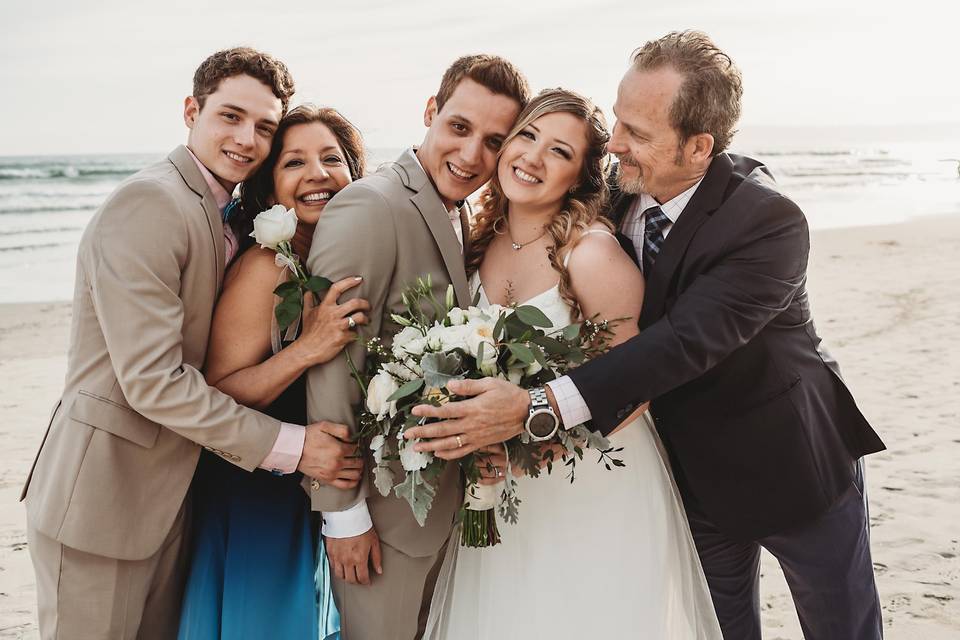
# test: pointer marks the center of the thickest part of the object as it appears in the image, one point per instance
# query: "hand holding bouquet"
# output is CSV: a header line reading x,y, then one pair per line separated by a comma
x,y
439,342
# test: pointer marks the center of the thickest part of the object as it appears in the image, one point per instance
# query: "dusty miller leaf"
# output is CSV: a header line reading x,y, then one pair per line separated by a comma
x,y
440,368
383,479
418,494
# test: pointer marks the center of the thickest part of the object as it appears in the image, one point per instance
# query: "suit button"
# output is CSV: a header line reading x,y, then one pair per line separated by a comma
x,y
620,414
235,458
315,485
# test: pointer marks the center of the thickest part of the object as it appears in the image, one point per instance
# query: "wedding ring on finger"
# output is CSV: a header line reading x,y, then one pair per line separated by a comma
x,y
459,443
499,473
351,323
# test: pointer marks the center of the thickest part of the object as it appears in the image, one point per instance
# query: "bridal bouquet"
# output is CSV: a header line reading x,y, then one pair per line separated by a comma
x,y
439,342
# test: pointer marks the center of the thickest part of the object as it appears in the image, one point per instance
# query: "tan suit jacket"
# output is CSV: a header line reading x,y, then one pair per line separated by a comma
x,y
390,228
122,445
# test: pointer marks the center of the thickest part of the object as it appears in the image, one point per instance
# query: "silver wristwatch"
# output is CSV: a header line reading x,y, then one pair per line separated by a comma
x,y
542,423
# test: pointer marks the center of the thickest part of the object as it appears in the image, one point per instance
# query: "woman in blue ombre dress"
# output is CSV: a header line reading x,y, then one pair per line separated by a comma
x,y
255,548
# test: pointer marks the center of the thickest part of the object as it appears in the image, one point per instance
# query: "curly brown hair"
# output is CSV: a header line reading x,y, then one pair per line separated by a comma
x,y
242,61
708,101
257,190
583,205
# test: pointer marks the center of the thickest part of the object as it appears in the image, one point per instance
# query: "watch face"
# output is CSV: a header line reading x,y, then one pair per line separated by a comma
x,y
542,424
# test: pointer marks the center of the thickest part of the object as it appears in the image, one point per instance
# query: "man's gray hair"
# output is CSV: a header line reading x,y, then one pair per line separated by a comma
x,y
708,101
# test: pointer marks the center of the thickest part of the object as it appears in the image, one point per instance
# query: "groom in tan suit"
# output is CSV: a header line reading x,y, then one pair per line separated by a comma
x,y
107,496
406,221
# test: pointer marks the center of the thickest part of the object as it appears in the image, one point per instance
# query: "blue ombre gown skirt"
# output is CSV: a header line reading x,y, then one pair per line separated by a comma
x,y
256,569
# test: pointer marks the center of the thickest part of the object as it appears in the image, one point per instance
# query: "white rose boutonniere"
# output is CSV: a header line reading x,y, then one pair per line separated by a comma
x,y
274,229
274,226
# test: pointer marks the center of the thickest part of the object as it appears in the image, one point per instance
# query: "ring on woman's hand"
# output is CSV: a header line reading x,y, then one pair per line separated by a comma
x,y
351,322
459,442
499,473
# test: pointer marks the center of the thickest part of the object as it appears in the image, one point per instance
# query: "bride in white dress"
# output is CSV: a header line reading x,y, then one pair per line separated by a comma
x,y
611,555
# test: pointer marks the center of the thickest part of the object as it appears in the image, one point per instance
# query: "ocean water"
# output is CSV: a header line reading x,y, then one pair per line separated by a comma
x,y
46,201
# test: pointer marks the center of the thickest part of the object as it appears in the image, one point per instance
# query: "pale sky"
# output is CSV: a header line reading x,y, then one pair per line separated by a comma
x,y
110,76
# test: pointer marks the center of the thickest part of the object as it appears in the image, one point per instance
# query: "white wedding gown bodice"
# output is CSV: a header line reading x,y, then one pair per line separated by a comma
x,y
608,556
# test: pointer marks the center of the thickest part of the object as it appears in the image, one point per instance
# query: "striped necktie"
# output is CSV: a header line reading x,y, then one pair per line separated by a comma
x,y
654,223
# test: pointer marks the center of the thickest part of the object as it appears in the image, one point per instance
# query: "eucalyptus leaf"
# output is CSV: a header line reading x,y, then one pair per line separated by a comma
x,y
551,345
532,316
406,389
571,332
498,327
521,353
516,328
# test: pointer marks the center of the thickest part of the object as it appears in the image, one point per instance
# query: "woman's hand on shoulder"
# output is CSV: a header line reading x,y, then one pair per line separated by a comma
x,y
326,326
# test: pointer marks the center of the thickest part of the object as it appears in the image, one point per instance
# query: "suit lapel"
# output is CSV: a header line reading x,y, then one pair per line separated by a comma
x,y
185,164
706,200
427,202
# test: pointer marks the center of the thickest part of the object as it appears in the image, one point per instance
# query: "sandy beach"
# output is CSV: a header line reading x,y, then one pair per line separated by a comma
x,y
886,299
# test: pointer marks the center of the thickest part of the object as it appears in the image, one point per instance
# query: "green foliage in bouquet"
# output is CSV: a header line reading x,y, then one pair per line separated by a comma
x,y
437,342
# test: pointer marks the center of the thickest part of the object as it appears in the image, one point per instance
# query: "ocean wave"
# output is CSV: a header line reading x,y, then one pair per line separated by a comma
x,y
33,247
69,172
18,208
21,232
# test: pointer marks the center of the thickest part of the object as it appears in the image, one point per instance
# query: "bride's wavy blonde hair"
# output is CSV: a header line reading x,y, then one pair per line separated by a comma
x,y
583,203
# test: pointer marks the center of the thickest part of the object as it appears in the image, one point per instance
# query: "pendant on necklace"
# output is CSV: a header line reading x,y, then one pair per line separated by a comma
x,y
516,246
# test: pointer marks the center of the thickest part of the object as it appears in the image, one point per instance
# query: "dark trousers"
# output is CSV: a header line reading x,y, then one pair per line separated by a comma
x,y
826,563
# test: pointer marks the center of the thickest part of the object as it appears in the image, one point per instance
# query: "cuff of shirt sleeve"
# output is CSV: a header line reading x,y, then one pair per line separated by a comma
x,y
573,409
347,524
285,456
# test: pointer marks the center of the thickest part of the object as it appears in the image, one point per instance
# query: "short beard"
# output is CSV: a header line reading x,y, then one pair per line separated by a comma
x,y
632,186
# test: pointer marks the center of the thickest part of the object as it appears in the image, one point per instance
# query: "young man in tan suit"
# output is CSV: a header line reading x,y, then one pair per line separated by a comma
x,y
406,221
107,496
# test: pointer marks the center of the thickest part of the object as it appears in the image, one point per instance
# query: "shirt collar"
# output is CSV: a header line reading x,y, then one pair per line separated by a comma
x,y
220,195
673,207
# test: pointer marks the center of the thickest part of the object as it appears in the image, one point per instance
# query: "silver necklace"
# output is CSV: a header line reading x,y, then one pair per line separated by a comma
x,y
520,245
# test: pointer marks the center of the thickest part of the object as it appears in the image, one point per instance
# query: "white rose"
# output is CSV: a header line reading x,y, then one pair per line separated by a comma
x,y
434,337
481,332
382,387
411,459
273,226
407,342
515,376
403,372
454,337
457,316
533,368
495,310
376,445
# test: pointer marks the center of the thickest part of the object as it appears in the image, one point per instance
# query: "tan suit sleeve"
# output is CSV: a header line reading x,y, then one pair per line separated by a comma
x,y
354,236
134,264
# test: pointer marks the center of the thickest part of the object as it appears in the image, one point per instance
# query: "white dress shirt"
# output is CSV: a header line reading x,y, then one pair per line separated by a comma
x,y
356,520
573,409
